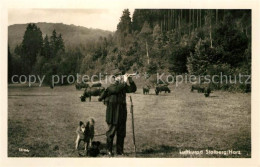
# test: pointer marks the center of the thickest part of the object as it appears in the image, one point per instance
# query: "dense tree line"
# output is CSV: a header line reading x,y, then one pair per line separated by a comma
x,y
176,41
36,55
193,41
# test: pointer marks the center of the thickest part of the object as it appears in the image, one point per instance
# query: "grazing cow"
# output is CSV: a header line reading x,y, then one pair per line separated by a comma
x,y
146,89
81,85
96,85
199,88
207,91
91,91
162,88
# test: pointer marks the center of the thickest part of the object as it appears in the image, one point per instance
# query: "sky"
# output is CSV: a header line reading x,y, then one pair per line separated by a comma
x,y
106,19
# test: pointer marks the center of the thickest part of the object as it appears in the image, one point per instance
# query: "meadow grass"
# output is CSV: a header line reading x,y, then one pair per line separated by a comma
x,y
44,121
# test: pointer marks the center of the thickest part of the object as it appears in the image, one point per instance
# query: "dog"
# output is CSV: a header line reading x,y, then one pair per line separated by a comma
x,y
85,133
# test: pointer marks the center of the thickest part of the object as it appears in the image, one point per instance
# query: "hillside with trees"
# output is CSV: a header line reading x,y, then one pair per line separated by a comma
x,y
73,36
176,41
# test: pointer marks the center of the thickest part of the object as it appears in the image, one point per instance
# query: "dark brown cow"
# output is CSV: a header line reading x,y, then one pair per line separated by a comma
x,y
163,88
81,85
207,91
202,88
198,87
96,85
91,91
146,89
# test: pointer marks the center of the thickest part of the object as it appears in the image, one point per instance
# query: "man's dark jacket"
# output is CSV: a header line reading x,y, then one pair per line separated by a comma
x,y
115,99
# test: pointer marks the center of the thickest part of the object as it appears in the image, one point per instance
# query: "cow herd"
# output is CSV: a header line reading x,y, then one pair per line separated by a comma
x,y
201,88
96,89
158,89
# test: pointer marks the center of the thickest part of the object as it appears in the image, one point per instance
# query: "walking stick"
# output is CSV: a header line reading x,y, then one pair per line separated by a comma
x,y
133,128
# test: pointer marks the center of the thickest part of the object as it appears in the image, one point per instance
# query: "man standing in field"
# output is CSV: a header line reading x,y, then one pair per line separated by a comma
x,y
116,112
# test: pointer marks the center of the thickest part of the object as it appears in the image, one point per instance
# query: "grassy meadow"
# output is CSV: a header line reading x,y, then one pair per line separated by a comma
x,y
44,121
